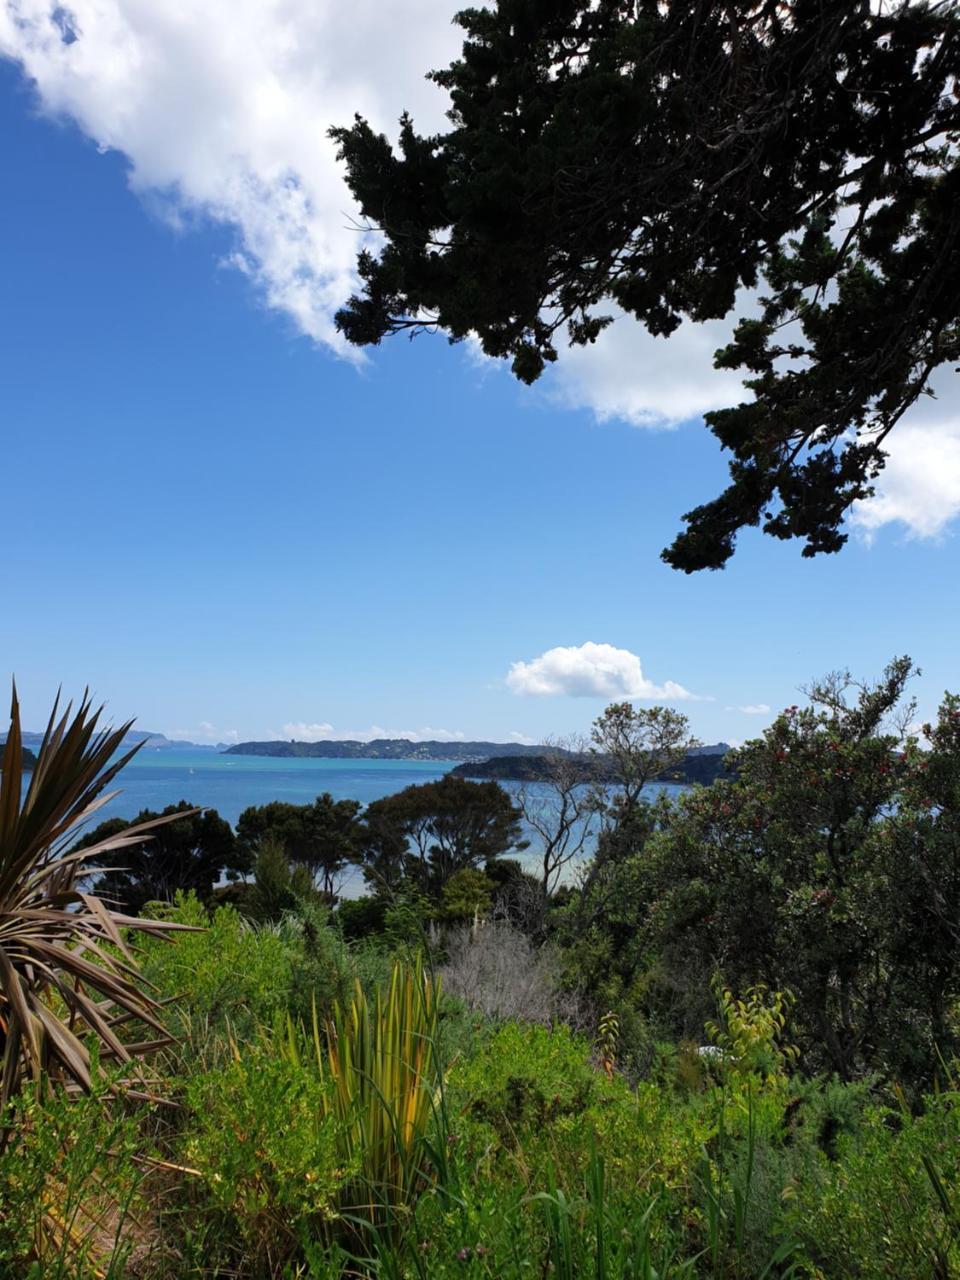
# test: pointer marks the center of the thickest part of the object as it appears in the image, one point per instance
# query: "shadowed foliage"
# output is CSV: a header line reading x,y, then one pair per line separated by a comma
x,y
192,850
657,161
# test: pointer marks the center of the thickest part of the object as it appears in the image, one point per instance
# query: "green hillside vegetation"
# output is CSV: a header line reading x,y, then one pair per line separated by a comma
x,y
728,1050
692,769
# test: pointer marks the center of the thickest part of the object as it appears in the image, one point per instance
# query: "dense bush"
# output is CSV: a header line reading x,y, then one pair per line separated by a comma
x,y
830,868
533,1160
726,1054
66,1211
267,1161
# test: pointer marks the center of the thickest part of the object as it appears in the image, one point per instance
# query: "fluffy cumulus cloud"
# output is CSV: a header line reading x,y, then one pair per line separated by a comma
x,y
629,374
590,671
919,489
301,731
222,110
752,709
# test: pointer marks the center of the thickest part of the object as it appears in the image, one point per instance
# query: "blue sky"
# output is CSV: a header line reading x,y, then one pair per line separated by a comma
x,y
226,528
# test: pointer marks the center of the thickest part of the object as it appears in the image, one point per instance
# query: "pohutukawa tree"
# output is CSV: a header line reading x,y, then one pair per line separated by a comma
x,y
828,866
657,159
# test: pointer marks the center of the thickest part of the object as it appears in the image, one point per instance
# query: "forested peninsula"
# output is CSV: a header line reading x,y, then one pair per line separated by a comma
x,y
705,767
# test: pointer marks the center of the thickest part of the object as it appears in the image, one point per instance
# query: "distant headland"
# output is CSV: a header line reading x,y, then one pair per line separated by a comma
x,y
503,761
703,765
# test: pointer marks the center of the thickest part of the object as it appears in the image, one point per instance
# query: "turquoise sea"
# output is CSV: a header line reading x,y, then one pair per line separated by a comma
x,y
157,778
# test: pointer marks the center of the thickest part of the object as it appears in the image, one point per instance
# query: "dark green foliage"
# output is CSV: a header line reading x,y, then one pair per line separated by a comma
x,y
431,831
655,159
361,917
322,837
830,868
467,895
189,855
278,886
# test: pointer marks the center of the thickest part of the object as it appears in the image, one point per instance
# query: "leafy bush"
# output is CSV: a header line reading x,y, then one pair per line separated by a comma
x,y
361,917
267,1156
228,979
278,886
886,1203
71,1204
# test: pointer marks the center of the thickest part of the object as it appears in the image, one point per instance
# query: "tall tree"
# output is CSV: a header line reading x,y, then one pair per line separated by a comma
x,y
830,867
323,836
453,824
656,159
190,854
638,745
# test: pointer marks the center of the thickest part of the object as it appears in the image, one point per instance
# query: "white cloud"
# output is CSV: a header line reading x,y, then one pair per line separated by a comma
x,y
301,731
204,732
589,671
523,739
919,488
752,709
222,110
646,381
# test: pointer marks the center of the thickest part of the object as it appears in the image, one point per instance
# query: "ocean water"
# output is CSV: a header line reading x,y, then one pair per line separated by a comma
x,y
156,778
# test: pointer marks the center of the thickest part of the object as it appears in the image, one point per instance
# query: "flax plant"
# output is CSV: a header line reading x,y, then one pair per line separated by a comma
x,y
381,1060
66,972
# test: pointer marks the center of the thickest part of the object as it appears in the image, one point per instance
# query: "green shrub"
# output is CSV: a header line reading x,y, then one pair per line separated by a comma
x,y
466,895
327,968
361,917
266,1156
70,1187
887,1204
227,980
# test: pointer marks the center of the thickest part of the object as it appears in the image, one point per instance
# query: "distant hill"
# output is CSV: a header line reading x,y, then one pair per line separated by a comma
x,y
156,741
703,765
383,749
